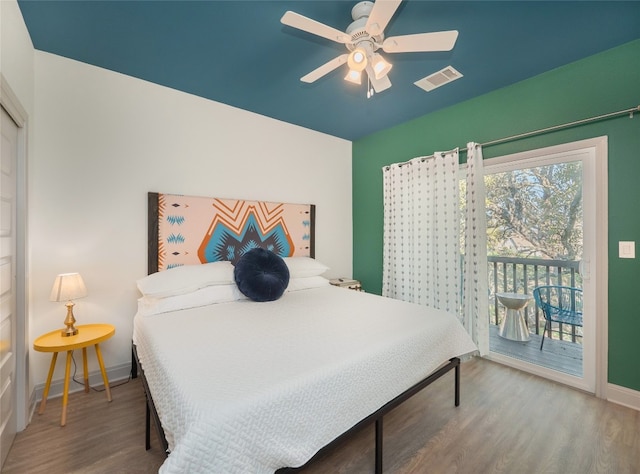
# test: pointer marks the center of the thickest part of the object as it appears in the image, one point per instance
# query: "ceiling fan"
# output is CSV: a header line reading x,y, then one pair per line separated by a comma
x,y
363,38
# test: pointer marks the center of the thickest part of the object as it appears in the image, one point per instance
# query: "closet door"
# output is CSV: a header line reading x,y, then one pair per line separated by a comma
x,y
8,251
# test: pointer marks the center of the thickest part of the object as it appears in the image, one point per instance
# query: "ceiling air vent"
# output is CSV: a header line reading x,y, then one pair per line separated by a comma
x,y
438,79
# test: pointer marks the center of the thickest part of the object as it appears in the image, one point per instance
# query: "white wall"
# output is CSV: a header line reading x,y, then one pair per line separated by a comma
x,y
104,140
16,53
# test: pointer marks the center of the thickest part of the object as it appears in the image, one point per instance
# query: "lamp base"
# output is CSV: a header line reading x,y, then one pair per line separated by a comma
x,y
69,321
69,332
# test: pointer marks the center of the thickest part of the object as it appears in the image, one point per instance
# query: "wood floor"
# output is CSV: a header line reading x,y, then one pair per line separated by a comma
x,y
508,422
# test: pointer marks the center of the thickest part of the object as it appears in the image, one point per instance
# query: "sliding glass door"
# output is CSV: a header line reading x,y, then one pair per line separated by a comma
x,y
545,230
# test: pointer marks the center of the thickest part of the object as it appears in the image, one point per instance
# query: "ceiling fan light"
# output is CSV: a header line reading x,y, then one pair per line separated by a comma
x,y
380,67
355,77
357,60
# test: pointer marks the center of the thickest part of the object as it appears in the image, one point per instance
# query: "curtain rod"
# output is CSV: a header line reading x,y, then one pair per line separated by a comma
x,y
422,158
630,111
553,128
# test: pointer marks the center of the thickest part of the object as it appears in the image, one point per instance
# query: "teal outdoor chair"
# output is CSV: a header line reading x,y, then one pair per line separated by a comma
x,y
560,304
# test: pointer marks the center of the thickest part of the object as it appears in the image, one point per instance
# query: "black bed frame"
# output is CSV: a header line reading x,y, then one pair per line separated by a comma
x,y
376,417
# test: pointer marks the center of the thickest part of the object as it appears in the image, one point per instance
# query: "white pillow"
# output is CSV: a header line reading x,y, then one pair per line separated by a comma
x,y
148,305
306,283
186,279
302,267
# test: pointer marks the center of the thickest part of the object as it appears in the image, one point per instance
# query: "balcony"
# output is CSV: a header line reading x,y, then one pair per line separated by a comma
x,y
563,350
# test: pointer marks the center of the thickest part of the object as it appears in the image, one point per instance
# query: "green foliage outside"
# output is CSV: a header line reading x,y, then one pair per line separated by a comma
x,y
536,212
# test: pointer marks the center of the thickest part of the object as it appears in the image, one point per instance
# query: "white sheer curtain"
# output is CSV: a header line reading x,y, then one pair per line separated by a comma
x,y
475,288
421,250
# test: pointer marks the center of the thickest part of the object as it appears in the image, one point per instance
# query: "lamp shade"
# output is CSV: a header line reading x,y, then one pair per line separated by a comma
x,y
67,287
353,77
357,60
380,66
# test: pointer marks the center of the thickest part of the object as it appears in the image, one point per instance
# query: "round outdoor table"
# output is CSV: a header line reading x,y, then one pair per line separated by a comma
x,y
513,326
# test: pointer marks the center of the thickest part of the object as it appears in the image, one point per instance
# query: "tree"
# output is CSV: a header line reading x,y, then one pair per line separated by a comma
x,y
536,212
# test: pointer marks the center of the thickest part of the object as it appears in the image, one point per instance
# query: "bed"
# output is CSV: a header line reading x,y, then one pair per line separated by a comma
x,y
237,385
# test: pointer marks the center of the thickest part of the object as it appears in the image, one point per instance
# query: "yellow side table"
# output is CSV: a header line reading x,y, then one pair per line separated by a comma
x,y
88,334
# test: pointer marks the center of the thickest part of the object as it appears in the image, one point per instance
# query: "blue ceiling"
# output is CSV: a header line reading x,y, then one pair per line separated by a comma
x,y
238,52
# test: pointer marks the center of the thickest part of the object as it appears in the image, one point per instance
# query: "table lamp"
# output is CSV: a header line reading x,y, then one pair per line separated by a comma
x,y
67,287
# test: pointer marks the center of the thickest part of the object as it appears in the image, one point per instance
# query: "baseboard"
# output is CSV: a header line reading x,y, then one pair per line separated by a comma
x,y
115,374
623,396
32,405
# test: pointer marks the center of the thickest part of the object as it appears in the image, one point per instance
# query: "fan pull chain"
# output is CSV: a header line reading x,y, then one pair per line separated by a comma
x,y
370,91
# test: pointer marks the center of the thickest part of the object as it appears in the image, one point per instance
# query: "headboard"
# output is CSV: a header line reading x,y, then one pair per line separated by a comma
x,y
187,230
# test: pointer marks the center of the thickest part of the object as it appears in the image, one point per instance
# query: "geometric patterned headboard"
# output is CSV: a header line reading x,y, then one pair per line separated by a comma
x,y
187,230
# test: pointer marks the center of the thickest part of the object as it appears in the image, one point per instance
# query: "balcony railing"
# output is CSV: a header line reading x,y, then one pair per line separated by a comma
x,y
522,275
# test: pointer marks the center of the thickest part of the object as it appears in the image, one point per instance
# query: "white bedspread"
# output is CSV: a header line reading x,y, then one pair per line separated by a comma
x,y
252,387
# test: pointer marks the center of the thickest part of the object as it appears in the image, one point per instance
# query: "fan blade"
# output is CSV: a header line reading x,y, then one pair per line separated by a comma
x,y
422,42
303,23
379,85
326,68
380,16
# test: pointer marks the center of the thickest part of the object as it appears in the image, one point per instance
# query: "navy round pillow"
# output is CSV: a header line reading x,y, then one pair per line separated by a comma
x,y
261,275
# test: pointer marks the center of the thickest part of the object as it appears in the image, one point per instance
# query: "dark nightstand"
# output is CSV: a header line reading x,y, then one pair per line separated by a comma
x,y
347,283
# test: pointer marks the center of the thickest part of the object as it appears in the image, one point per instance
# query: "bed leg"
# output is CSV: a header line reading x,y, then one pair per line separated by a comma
x,y
134,365
147,432
457,384
379,445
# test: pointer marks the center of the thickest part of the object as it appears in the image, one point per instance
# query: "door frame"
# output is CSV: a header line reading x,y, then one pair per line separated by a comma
x,y
599,270
23,403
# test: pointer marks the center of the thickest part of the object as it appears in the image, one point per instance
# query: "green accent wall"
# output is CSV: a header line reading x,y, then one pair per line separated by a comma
x,y
603,83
